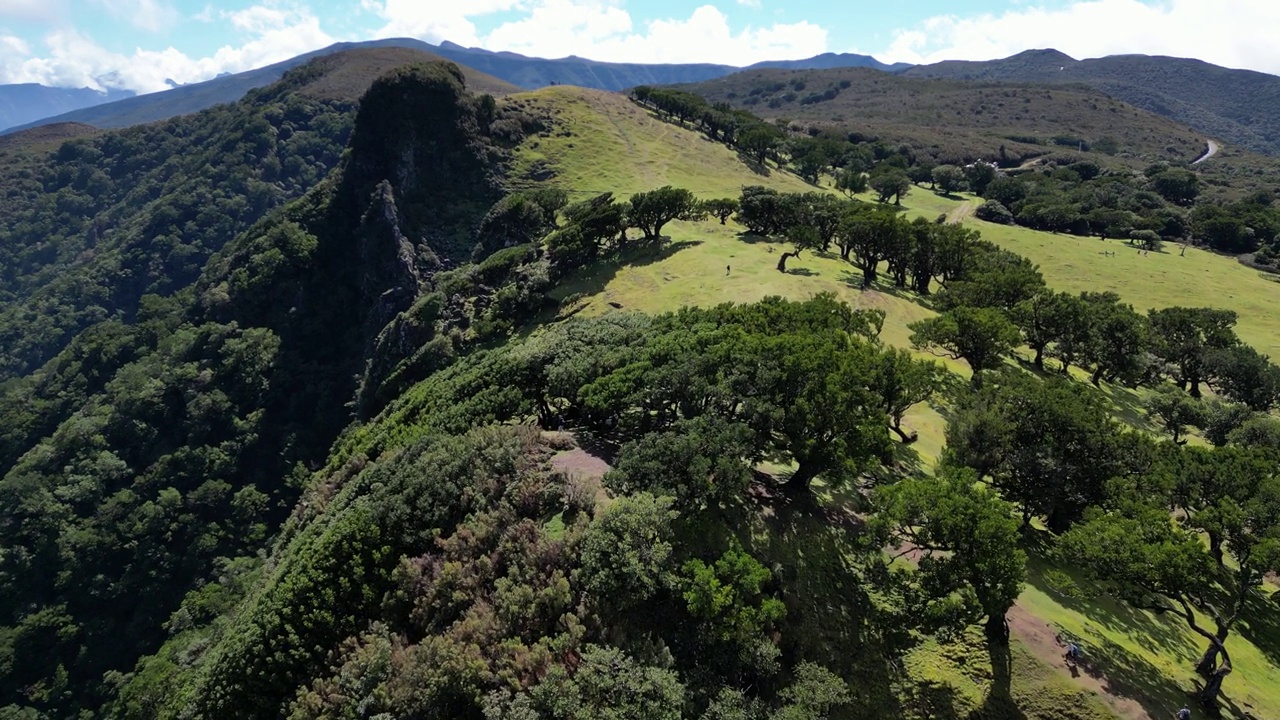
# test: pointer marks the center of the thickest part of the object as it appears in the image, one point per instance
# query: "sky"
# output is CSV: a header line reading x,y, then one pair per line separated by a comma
x,y
141,45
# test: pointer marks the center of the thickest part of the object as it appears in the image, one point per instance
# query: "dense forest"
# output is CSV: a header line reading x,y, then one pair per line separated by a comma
x,y
313,449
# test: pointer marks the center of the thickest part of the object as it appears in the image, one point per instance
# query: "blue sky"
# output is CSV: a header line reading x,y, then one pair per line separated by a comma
x,y
139,44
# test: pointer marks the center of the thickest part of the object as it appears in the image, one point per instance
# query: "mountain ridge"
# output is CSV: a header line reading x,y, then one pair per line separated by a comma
x,y
520,70
1236,105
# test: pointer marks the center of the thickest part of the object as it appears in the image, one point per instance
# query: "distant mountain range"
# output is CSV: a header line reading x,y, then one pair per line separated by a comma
x,y
1239,106
525,72
28,102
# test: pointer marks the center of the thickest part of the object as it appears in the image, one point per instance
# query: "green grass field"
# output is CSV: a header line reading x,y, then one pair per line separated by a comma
x,y
1155,280
615,146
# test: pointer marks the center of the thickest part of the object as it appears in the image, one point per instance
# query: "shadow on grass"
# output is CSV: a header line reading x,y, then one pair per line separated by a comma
x,y
1083,598
803,272
752,238
594,278
1260,624
830,610
999,702
754,165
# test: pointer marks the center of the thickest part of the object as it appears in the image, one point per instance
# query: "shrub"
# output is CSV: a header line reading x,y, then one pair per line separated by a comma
x,y
994,211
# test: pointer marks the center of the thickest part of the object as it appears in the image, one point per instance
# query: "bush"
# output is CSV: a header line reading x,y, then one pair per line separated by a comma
x,y
994,211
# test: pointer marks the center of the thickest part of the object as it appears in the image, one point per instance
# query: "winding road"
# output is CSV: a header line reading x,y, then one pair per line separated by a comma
x,y
1213,150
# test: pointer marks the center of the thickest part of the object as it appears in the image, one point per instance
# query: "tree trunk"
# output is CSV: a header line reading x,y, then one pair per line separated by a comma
x,y
1209,661
997,629
1097,377
782,261
800,481
906,439
1215,549
1039,359
1195,388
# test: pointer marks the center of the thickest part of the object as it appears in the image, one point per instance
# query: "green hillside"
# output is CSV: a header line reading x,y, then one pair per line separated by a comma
x,y
487,415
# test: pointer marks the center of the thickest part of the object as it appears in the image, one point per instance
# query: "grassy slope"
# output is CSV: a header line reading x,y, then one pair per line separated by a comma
x,y
616,146
1155,280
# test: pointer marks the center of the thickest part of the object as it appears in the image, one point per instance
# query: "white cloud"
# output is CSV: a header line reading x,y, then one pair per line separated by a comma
x,y
434,20
150,15
44,11
750,3
600,30
75,60
1234,33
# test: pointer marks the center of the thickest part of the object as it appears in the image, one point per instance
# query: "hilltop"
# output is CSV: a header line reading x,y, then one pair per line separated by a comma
x,y
1239,106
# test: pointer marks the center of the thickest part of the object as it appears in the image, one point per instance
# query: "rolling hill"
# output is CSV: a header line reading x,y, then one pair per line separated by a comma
x,y
1239,106
957,120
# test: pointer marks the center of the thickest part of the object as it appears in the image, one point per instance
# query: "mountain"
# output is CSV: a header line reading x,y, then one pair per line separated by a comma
x,y
509,72
198,96
28,102
958,120
1238,106
830,60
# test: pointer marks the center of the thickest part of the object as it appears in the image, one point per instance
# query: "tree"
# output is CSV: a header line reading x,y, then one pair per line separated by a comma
x,y
815,404
1049,445
1148,240
650,211
903,382
979,175
1180,187
979,336
625,552
890,183
765,211
1109,335
1044,319
1184,337
966,539
948,178
801,237
989,276
1245,375
600,219
815,692
720,208
993,211
728,598
1174,411
851,181
759,141
701,462
870,237
513,220
1140,556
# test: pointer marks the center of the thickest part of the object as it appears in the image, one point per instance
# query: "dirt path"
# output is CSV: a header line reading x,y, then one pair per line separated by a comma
x,y
1041,640
962,211
1213,150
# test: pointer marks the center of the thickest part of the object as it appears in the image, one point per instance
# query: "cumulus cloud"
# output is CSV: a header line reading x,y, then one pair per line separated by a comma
x,y
600,30
73,59
435,20
1233,33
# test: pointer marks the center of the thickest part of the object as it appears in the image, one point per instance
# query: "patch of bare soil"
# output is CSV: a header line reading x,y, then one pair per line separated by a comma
x,y
1042,641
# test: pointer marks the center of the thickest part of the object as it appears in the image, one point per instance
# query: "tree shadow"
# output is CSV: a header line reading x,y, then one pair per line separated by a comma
x,y
596,277
830,609
752,238
999,702
1079,595
1127,675
754,165
1260,623
803,272
931,699
948,195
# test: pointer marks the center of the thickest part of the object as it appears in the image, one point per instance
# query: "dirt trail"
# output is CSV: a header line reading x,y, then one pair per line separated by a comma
x,y
962,211
1213,150
1041,640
